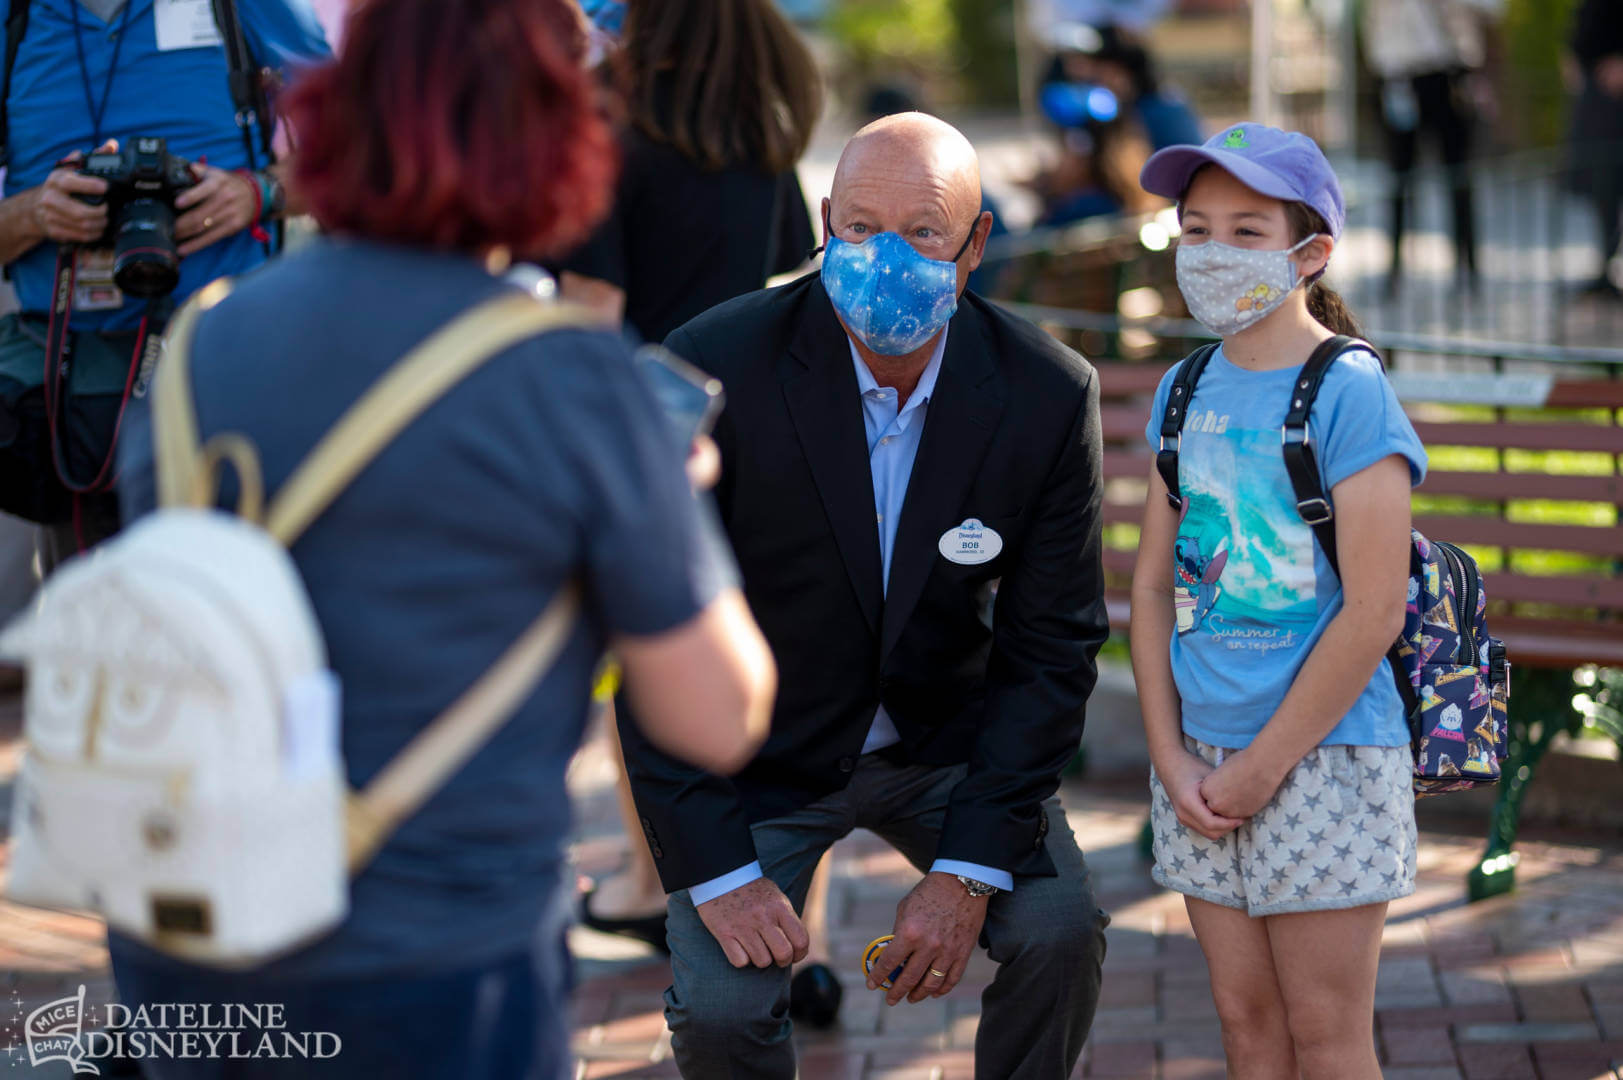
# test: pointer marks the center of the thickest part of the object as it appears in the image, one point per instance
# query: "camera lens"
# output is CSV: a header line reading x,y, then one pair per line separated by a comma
x,y
145,263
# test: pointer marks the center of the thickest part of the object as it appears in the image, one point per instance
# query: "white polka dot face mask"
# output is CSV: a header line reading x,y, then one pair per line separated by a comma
x,y
1229,288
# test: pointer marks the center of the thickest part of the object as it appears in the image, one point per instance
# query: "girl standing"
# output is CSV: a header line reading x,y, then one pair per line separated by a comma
x,y
1281,781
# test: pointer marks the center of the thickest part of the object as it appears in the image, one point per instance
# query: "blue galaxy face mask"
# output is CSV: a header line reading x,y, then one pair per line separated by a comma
x,y
891,297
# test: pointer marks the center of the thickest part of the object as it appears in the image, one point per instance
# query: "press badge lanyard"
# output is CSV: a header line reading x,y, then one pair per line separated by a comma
x,y
98,111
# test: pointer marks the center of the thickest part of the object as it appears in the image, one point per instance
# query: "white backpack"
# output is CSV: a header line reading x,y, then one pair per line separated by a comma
x,y
182,776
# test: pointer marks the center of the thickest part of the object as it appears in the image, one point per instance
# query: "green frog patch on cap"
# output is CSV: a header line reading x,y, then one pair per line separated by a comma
x,y
1236,140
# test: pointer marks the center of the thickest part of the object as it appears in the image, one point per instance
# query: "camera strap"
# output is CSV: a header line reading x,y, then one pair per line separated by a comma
x,y
247,95
58,365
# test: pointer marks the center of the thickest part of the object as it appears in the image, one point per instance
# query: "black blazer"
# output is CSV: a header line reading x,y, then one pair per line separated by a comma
x,y
1011,437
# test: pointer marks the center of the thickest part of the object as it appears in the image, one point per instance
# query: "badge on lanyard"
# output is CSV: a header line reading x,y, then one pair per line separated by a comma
x,y
93,287
970,544
185,24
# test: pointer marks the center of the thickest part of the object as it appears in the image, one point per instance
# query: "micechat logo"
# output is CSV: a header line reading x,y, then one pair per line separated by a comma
x,y
55,1032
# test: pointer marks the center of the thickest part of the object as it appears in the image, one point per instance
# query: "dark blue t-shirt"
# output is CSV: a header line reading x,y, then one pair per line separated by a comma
x,y
552,460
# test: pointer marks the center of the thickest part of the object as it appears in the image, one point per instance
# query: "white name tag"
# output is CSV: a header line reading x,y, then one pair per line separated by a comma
x,y
970,544
185,24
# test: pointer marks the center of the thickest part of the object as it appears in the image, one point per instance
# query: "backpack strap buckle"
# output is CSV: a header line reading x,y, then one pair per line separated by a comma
x,y
1304,430
1166,460
1315,511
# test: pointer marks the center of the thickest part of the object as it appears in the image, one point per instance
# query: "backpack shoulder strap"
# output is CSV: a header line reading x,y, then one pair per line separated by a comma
x,y
176,445
439,750
1179,396
1296,437
424,375
16,27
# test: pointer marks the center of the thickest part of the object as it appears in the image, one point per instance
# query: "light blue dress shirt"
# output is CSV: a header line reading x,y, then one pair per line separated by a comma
x,y
893,442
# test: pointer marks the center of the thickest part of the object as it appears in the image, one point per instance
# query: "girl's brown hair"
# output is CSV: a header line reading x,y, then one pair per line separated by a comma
x,y
1323,302
726,82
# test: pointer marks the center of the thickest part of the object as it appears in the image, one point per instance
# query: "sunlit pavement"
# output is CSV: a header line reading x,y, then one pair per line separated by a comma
x,y
1524,986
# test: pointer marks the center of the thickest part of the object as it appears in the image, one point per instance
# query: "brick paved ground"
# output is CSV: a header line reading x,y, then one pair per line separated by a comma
x,y
1526,986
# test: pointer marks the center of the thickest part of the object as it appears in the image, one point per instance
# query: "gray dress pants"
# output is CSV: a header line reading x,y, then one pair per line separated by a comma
x,y
1047,937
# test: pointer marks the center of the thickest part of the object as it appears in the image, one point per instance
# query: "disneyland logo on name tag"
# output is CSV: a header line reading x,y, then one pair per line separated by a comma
x,y
970,544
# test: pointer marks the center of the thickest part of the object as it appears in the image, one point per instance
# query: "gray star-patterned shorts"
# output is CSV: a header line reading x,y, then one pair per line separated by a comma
x,y
1338,833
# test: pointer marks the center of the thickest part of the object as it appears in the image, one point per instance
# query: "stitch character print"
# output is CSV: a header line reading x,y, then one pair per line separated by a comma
x,y
1195,588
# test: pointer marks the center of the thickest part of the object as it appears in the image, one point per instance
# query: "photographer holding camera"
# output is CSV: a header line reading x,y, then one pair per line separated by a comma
x,y
136,135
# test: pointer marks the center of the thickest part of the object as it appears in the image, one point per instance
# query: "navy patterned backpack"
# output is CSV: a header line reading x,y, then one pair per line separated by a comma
x,y
1451,673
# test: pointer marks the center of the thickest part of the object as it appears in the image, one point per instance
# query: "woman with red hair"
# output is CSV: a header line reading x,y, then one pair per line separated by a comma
x,y
449,133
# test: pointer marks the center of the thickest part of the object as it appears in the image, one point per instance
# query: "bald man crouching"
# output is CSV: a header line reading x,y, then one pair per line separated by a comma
x,y
911,483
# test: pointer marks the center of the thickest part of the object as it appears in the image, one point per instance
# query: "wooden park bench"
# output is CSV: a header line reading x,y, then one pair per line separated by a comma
x,y
1524,474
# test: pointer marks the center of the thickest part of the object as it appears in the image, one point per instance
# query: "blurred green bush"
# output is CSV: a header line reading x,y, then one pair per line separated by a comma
x,y
958,51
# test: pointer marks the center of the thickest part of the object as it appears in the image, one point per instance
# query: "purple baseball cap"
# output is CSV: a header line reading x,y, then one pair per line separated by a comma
x,y
1283,165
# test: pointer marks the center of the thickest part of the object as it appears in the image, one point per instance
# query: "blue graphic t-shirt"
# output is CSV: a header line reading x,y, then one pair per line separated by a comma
x,y
1252,591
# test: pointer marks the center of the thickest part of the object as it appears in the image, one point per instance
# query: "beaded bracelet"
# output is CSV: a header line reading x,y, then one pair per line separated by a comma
x,y
256,184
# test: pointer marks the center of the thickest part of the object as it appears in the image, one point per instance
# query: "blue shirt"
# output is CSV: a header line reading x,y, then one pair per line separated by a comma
x,y
1252,590
894,433
182,95
1168,120
552,460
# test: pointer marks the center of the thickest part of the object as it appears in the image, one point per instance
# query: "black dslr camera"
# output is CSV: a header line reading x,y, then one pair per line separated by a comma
x,y
143,179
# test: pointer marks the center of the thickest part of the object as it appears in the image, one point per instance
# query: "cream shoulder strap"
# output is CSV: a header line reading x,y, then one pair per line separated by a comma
x,y
410,387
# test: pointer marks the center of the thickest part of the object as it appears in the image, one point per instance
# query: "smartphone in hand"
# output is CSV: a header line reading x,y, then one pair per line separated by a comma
x,y
690,398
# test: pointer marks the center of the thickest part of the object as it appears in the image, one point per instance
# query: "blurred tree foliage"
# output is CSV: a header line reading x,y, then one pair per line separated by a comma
x,y
1535,36
879,36
963,49
986,43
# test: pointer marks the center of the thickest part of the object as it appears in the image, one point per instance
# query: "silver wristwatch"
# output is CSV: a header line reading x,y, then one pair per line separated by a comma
x,y
977,888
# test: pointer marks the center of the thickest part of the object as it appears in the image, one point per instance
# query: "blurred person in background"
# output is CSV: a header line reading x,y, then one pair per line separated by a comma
x,y
448,134
1428,55
721,97
96,75
1109,57
1597,128
1103,95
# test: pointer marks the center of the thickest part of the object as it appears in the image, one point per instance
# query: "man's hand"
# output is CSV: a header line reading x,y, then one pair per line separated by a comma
x,y
1242,785
938,924
221,204
1183,777
60,213
756,924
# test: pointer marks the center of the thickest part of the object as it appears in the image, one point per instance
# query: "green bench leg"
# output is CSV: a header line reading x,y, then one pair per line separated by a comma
x,y
1545,697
